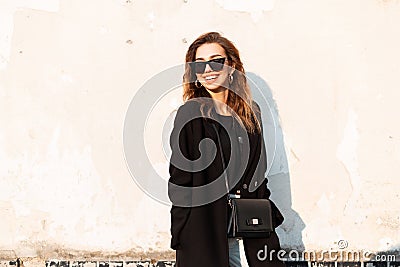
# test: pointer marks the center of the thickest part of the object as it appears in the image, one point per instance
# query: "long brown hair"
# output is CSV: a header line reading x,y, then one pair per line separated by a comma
x,y
239,97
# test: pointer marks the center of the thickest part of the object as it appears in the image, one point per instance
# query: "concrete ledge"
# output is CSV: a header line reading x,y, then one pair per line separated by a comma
x,y
153,263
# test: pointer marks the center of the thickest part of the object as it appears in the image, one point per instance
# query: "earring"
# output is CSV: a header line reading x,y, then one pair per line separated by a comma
x,y
198,84
230,78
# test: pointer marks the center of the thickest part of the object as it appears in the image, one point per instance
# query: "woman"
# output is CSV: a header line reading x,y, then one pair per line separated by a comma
x,y
218,106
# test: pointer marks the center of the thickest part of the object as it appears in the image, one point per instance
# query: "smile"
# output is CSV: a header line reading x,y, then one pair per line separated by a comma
x,y
211,77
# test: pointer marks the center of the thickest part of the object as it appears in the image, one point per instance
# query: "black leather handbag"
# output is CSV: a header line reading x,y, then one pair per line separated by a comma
x,y
249,218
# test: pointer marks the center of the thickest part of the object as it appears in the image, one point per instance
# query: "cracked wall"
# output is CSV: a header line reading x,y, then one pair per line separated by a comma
x,y
68,70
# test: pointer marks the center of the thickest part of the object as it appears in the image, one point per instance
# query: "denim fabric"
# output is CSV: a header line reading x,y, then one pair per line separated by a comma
x,y
234,253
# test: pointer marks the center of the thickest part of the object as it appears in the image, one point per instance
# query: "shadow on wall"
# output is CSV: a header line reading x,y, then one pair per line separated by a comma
x,y
290,232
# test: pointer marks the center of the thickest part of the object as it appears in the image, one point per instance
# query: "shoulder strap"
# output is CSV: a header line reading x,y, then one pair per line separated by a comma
x,y
226,178
223,159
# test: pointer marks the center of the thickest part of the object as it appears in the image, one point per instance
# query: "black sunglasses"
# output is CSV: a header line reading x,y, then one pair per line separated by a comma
x,y
216,64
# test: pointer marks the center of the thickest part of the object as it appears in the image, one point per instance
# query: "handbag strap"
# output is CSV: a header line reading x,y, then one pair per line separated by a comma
x,y
223,159
226,180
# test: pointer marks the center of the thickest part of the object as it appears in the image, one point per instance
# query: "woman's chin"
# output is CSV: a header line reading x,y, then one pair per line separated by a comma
x,y
215,87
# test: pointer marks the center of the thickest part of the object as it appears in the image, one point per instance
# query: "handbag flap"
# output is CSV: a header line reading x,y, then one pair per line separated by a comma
x,y
253,215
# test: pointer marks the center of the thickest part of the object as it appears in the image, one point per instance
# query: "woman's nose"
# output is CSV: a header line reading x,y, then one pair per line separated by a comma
x,y
208,68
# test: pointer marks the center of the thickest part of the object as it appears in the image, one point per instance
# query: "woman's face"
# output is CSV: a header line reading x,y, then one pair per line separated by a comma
x,y
213,80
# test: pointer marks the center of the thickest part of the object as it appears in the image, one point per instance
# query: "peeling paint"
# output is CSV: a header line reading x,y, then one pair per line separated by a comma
x,y
324,205
385,243
7,11
347,154
151,17
254,7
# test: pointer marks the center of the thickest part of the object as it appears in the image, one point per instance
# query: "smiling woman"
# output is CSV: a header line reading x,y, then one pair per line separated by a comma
x,y
210,69
227,83
215,72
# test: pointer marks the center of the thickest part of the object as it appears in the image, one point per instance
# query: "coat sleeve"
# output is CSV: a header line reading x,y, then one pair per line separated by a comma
x,y
276,214
180,147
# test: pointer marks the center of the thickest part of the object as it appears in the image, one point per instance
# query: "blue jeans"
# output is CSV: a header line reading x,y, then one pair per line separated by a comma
x,y
234,253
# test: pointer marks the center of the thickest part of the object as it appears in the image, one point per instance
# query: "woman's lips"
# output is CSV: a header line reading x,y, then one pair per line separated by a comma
x,y
211,78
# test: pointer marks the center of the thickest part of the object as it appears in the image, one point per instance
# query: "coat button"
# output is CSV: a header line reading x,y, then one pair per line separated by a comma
x,y
240,139
244,186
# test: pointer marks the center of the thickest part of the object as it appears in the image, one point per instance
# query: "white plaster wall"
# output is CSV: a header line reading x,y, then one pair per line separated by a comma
x,y
68,70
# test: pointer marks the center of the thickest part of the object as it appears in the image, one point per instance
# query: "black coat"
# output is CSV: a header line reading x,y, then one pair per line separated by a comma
x,y
199,233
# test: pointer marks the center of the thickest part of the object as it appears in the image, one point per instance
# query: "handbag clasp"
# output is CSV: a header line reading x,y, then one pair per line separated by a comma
x,y
254,221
